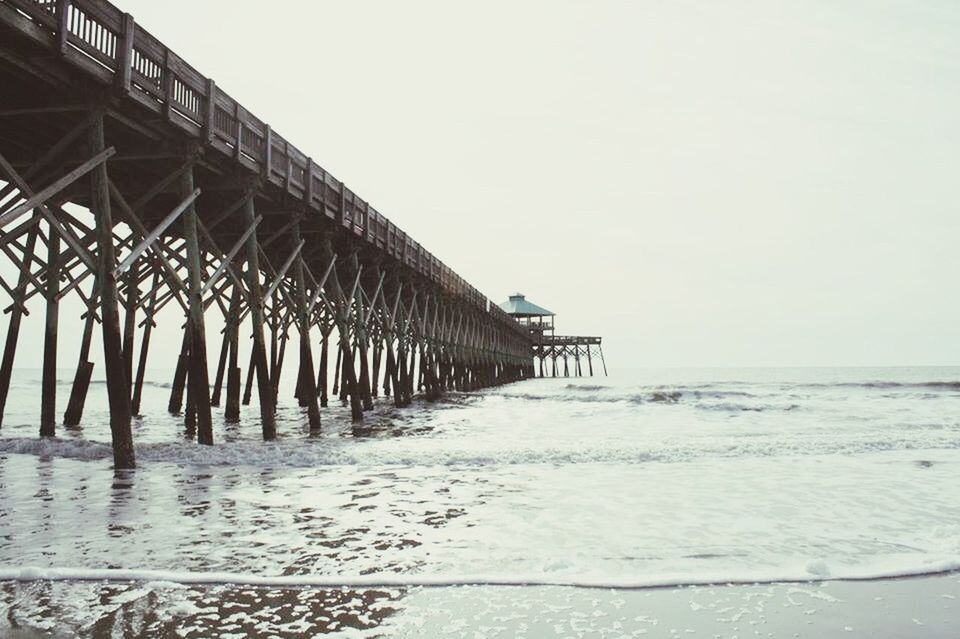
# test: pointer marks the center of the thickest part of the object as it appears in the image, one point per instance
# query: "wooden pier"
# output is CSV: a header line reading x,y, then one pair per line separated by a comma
x,y
195,202
548,348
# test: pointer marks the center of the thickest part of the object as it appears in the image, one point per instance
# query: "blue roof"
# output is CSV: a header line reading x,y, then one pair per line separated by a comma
x,y
518,306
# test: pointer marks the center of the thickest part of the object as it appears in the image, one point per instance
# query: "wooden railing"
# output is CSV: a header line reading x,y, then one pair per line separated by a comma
x,y
106,42
568,339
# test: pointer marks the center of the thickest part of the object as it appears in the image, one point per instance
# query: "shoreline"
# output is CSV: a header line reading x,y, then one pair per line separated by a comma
x,y
920,606
379,580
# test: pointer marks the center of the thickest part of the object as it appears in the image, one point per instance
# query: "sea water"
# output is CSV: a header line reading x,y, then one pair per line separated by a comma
x,y
647,478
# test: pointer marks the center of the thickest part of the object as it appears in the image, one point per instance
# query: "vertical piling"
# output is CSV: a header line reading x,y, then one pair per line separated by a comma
x,y
81,379
251,372
180,373
198,379
48,399
13,329
118,391
231,411
308,392
259,354
322,375
221,367
148,325
130,324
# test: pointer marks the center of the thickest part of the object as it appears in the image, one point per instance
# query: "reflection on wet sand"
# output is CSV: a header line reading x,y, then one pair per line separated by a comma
x,y
158,609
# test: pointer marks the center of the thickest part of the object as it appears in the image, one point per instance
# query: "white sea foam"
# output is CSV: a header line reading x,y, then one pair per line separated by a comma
x,y
699,481
321,453
175,578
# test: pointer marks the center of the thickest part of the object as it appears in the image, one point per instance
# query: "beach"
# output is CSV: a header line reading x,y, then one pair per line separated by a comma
x,y
726,502
924,607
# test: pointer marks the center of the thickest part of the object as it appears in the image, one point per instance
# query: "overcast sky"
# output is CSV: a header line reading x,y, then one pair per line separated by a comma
x,y
701,183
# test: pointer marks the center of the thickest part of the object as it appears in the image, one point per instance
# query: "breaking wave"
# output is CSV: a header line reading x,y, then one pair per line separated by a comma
x,y
325,453
712,401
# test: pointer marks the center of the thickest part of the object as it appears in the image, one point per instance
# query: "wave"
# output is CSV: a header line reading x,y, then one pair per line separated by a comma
x,y
815,571
327,453
701,400
937,385
745,408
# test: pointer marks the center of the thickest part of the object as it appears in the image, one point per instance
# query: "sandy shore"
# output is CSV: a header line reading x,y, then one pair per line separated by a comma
x,y
916,607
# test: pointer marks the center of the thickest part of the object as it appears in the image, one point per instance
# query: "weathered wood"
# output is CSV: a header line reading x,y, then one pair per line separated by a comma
x,y
232,409
81,379
199,384
336,372
308,392
322,376
43,195
13,329
350,382
221,369
175,405
229,331
129,328
158,230
123,78
251,372
278,366
137,396
117,387
375,374
259,355
158,106
48,399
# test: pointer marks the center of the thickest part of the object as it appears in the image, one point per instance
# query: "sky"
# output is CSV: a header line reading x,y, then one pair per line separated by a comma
x,y
734,183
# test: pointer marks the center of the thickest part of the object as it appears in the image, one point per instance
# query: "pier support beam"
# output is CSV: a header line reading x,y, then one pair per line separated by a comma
x,y
16,317
307,390
342,318
180,373
81,380
198,378
48,399
231,411
118,390
259,354
148,325
322,375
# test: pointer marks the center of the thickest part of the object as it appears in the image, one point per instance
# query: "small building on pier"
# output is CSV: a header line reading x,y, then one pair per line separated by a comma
x,y
550,348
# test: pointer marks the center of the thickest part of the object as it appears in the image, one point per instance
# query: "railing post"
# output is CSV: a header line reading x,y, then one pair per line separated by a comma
x,y
167,85
123,76
308,187
63,25
208,113
267,152
238,147
287,176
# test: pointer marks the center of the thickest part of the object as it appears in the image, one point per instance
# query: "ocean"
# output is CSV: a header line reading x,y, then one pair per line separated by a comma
x,y
521,494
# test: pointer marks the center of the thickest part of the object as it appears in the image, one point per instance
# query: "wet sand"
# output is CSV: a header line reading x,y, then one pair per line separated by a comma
x,y
922,607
